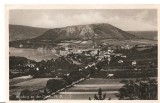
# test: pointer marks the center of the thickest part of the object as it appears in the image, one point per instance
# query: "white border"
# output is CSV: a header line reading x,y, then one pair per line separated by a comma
x,y
69,7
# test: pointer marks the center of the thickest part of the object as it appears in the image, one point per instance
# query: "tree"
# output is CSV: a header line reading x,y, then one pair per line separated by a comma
x,y
13,97
100,95
53,84
144,89
25,95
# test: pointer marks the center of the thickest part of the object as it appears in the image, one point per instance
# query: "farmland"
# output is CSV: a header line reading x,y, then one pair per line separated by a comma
x,y
31,84
89,88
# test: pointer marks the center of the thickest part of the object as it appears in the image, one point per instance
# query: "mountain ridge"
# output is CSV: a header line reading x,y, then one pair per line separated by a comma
x,y
75,32
22,32
89,31
150,35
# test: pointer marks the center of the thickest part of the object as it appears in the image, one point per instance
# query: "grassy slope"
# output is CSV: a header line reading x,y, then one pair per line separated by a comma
x,y
19,32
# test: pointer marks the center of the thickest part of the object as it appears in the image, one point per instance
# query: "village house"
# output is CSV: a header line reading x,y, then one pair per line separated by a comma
x,y
63,52
94,52
128,47
120,61
21,45
134,63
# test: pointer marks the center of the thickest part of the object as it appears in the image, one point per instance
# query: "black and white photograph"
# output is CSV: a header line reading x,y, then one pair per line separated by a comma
x,y
83,54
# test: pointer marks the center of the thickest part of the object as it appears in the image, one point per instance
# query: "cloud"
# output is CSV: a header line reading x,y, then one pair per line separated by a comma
x,y
124,19
137,22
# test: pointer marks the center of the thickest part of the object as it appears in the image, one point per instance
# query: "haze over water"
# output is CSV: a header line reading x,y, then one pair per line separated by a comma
x,y
33,54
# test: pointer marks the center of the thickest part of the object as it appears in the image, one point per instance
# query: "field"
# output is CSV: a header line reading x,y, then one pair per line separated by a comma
x,y
32,84
81,91
89,87
19,79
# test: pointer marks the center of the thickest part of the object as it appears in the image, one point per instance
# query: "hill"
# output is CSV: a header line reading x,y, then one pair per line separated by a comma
x,y
51,37
84,32
19,32
151,35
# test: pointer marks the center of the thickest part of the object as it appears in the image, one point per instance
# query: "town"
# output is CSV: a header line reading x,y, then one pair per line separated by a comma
x,y
134,64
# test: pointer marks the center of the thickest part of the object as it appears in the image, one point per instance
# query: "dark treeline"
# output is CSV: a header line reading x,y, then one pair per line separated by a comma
x,y
55,85
141,89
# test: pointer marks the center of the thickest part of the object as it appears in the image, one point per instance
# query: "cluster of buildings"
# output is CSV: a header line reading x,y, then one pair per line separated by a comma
x,y
88,48
66,48
83,46
63,49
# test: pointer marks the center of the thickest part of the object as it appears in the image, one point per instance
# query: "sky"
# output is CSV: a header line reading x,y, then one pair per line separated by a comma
x,y
125,19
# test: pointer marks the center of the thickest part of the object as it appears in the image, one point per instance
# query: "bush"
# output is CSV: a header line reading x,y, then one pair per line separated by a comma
x,y
144,89
69,80
25,95
55,84
13,97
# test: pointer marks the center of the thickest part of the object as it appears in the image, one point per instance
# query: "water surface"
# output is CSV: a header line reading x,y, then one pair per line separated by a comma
x,y
33,54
